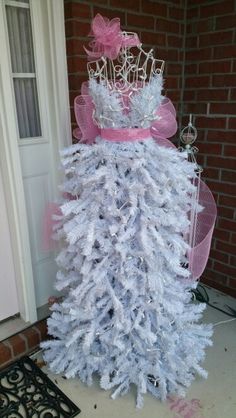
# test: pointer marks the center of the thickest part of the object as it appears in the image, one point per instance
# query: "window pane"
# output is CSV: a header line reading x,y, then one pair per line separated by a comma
x,y
27,107
20,38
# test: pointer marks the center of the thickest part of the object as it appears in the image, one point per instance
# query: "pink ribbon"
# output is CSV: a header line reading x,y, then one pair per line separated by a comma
x,y
125,135
108,38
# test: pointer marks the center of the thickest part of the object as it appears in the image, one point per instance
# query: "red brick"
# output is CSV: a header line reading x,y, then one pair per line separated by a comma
x,y
174,41
227,224
214,67
221,162
193,81
76,28
225,212
223,108
167,55
229,176
230,151
206,25
211,95
223,80
219,187
226,247
217,255
227,270
191,68
42,328
221,235
233,94
199,54
155,9
227,201
140,21
227,51
32,337
192,41
233,260
192,13
210,148
226,22
217,38
221,136
189,95
171,83
211,173
215,275
76,64
232,283
75,81
173,68
5,353
233,240
175,96
18,344
153,39
196,108
74,47
125,4
221,8
210,122
176,13
232,124
73,10
110,13
163,25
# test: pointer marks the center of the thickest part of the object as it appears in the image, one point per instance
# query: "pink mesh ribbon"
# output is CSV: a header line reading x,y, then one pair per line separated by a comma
x,y
204,227
108,38
125,134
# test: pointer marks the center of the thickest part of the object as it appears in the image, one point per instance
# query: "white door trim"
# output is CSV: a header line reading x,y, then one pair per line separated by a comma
x,y
9,152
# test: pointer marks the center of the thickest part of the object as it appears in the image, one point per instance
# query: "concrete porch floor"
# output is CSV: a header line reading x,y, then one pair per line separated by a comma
x,y
211,398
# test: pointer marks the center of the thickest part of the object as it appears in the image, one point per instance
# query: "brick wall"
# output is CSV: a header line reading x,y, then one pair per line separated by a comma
x,y
22,343
196,39
160,24
210,93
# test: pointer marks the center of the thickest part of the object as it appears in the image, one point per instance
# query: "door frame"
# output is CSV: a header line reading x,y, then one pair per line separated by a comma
x,y
49,14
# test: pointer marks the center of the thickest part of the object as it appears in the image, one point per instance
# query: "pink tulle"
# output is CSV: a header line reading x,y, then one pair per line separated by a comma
x,y
108,38
204,226
125,134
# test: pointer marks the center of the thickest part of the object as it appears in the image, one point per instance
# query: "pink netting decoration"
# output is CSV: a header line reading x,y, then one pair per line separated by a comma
x,y
166,126
205,222
83,108
108,39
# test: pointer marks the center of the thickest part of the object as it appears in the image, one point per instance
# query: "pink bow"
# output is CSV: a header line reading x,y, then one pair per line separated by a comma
x,y
108,38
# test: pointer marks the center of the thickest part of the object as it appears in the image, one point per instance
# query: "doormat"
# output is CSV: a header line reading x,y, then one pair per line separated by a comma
x,y
27,392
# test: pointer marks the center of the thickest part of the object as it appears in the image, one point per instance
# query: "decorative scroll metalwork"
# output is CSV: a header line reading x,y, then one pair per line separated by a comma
x,y
133,68
188,136
26,392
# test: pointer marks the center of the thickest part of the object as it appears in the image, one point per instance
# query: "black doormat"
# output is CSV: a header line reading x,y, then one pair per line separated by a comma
x,y
26,392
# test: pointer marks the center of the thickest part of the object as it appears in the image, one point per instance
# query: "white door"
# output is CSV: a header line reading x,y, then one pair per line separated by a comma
x,y
30,67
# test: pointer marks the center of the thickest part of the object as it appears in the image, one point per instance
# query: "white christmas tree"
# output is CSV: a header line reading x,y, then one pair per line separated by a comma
x,y
127,313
